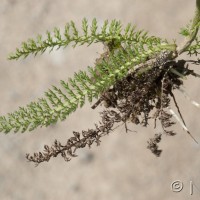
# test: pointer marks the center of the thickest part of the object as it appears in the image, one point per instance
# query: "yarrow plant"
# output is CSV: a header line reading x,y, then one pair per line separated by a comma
x,y
133,79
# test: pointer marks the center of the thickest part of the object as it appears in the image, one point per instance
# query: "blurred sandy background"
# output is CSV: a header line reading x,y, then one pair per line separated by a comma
x,y
122,167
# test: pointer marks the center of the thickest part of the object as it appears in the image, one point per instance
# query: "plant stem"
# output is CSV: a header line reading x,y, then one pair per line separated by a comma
x,y
193,31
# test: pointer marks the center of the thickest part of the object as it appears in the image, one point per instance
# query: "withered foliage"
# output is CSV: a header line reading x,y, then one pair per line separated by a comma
x,y
153,144
144,94
79,140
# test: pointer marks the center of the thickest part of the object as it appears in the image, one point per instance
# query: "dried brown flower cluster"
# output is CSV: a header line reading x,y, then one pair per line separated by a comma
x,y
143,94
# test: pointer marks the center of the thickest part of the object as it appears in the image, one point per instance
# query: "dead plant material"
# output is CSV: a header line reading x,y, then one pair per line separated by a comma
x,y
143,95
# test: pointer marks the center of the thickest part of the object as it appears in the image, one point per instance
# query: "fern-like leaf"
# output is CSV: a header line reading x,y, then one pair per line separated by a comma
x,y
109,32
60,102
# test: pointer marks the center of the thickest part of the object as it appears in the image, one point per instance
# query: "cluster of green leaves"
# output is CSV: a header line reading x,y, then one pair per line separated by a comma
x,y
109,32
187,29
194,48
131,47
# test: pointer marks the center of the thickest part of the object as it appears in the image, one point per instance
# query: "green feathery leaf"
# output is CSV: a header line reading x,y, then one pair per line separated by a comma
x,y
59,103
108,33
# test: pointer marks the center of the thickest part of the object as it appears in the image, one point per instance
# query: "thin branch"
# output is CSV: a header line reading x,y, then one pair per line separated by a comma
x,y
181,123
193,31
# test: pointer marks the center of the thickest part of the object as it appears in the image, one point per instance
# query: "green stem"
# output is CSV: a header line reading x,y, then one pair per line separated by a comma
x,y
193,31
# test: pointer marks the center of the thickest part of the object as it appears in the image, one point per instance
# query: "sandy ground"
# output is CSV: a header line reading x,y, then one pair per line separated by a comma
x,y
122,167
